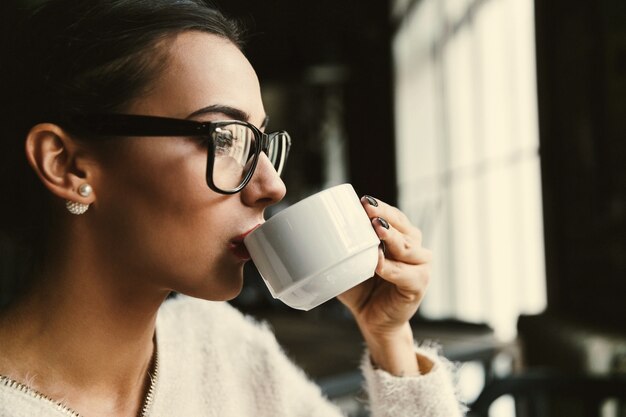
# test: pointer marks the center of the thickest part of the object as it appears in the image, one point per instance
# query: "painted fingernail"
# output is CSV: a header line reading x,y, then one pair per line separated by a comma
x,y
383,247
371,200
383,223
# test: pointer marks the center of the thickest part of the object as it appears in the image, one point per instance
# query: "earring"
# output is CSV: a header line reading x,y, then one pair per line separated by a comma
x,y
74,207
85,190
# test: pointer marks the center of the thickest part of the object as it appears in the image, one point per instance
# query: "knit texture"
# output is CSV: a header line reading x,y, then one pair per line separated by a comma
x,y
425,395
214,361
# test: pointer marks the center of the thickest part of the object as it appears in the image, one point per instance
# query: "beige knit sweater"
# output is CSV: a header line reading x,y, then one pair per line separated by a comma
x,y
213,361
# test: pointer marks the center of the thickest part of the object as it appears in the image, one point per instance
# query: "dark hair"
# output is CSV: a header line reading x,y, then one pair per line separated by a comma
x,y
77,57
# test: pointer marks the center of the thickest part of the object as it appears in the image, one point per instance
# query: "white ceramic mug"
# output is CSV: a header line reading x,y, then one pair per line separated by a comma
x,y
315,249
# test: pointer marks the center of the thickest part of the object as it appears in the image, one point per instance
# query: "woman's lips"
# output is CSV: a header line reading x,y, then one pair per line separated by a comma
x,y
240,251
237,246
242,236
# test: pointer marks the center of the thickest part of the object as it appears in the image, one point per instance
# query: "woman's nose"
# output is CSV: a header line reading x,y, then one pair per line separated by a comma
x,y
265,187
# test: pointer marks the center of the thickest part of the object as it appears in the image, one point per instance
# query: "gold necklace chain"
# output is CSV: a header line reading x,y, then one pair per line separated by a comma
x,y
154,376
8,382
58,405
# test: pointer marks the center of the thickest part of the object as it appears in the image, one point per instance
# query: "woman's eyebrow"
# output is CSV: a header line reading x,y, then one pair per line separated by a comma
x,y
233,113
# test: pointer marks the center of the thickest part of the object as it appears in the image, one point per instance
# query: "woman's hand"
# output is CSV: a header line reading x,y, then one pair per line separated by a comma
x,y
383,305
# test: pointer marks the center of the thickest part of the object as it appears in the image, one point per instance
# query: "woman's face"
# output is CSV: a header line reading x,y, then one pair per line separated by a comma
x,y
157,220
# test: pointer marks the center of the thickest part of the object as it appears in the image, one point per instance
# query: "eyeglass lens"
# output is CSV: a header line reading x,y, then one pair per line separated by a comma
x,y
235,151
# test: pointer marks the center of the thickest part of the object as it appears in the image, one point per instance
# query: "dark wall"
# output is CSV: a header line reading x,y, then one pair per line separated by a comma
x,y
581,63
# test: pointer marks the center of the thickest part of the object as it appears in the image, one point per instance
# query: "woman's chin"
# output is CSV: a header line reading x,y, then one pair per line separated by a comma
x,y
216,289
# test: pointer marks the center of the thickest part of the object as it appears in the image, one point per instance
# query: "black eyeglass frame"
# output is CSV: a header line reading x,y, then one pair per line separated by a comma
x,y
139,125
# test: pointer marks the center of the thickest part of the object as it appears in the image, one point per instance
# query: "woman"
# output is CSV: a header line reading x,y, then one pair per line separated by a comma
x,y
126,183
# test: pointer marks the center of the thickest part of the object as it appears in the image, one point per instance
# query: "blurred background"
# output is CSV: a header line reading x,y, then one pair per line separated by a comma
x,y
499,127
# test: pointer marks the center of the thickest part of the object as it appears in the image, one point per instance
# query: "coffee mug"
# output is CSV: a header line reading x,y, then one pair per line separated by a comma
x,y
315,249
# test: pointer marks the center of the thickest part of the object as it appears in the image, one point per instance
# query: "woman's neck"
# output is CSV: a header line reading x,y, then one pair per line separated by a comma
x,y
82,335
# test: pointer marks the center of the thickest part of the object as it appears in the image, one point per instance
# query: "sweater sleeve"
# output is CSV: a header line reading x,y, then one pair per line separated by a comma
x,y
429,395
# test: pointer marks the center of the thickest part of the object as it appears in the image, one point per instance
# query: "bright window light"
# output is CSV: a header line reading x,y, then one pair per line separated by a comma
x,y
467,155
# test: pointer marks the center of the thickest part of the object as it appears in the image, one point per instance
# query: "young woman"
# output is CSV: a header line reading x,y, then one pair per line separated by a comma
x,y
126,176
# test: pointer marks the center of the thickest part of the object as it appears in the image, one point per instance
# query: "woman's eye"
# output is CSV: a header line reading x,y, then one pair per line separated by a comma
x,y
223,138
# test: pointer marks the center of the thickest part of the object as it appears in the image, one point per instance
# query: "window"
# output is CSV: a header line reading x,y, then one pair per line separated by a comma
x,y
467,154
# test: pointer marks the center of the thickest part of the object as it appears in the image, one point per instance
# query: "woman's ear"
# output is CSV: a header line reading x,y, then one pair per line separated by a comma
x,y
59,162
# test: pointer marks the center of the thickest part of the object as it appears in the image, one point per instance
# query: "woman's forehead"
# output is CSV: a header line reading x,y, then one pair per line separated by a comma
x,y
203,70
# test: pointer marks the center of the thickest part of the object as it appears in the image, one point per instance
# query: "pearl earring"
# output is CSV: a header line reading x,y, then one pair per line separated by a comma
x,y
74,207
85,190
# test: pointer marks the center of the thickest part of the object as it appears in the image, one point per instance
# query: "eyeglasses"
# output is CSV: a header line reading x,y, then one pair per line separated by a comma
x,y
234,146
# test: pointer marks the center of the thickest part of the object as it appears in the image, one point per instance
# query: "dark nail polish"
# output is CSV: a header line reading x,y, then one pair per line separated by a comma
x,y
371,200
383,223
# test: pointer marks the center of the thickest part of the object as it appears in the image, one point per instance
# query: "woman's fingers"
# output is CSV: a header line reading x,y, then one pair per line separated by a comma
x,y
402,240
399,246
410,280
377,208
